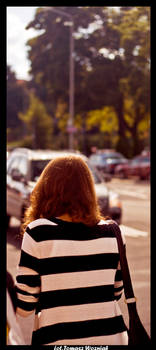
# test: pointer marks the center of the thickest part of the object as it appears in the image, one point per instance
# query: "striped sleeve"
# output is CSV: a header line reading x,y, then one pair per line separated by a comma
x,y
28,278
118,285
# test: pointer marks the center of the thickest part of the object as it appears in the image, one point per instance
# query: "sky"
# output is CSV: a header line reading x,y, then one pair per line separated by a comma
x,y
17,19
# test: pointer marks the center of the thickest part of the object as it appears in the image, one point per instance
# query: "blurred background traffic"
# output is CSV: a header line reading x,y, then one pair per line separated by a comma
x,y
85,90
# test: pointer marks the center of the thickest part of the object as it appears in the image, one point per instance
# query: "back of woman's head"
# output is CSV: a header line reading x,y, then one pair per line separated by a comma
x,y
66,186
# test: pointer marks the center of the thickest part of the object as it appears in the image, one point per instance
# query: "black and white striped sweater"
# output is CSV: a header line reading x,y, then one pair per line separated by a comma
x,y
70,275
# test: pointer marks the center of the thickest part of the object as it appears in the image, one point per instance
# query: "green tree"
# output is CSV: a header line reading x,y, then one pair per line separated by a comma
x,y
39,124
17,100
133,24
111,63
51,50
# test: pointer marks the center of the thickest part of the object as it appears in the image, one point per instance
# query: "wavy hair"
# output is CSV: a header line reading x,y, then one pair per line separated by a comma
x,y
65,186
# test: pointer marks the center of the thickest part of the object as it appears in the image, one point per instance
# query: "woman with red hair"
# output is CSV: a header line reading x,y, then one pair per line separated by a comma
x,y
69,270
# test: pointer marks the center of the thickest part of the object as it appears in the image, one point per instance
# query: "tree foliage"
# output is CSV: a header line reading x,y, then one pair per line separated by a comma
x,y
17,100
39,123
112,70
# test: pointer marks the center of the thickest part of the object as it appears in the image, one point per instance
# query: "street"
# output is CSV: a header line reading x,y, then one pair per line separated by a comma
x,y
135,197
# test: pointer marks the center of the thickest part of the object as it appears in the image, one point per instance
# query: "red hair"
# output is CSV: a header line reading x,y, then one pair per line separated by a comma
x,y
65,186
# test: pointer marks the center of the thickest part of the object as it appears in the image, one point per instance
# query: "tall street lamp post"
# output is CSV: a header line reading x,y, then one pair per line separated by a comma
x,y
70,126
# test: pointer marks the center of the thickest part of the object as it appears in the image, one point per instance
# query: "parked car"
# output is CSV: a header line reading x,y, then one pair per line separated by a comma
x,y
107,160
144,169
25,166
138,166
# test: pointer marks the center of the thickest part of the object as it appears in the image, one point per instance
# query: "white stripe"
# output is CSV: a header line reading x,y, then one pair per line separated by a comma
x,y
41,221
23,313
118,284
27,298
54,248
31,290
29,245
118,293
106,222
76,248
22,270
76,313
77,279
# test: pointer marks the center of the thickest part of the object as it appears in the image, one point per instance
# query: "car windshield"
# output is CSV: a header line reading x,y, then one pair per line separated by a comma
x,y
140,160
112,155
146,160
98,159
37,167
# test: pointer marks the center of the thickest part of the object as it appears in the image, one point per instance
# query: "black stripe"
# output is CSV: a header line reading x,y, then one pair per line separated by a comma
x,y
117,297
23,292
76,330
29,280
27,306
70,231
67,264
76,296
119,289
118,275
29,261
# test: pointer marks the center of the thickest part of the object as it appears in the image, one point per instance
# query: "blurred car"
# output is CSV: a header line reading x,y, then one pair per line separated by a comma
x,y
24,166
138,166
107,160
144,169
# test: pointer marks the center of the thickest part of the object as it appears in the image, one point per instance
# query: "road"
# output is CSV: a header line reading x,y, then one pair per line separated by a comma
x,y
135,198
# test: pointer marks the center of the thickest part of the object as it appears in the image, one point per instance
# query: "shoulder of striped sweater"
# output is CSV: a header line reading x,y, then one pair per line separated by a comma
x,y
123,235
40,222
107,222
113,223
